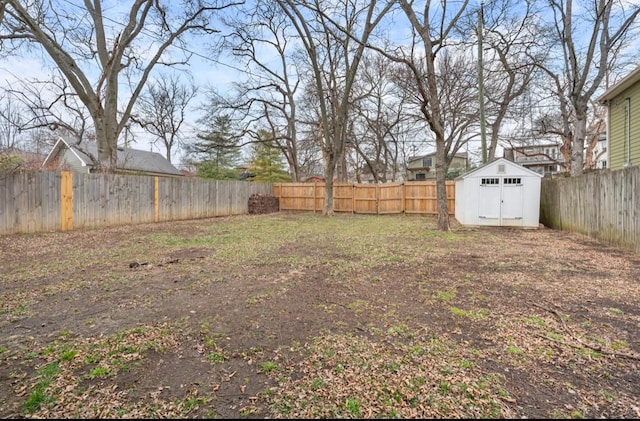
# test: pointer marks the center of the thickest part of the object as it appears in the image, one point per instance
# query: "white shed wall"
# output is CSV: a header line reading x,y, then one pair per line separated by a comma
x,y
514,205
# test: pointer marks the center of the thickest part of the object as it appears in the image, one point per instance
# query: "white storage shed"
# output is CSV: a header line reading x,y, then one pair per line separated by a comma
x,y
500,193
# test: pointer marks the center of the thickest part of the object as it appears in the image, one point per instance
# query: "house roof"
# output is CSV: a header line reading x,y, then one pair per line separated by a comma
x,y
541,145
621,86
127,159
497,162
457,155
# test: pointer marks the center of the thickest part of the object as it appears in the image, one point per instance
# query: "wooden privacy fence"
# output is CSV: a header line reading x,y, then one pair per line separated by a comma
x,y
36,201
604,205
408,197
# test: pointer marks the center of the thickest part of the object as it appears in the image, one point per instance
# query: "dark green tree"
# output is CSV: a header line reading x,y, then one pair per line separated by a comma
x,y
267,163
216,152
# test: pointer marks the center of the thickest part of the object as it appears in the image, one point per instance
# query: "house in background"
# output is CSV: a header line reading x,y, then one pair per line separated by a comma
x,y
314,179
623,121
544,159
83,157
366,177
423,167
599,156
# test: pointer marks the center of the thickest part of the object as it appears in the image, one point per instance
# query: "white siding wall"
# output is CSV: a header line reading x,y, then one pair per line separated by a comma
x,y
72,161
469,191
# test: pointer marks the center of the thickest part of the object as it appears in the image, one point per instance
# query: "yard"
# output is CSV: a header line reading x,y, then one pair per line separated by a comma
x,y
302,316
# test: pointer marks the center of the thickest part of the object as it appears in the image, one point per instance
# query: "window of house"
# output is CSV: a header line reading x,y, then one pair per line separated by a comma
x,y
513,181
421,176
426,162
489,181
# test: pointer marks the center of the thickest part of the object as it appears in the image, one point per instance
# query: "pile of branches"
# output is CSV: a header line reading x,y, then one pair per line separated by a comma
x,y
262,203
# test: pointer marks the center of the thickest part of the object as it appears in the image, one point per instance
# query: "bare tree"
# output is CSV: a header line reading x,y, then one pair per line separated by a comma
x,y
588,38
595,128
161,110
333,59
262,41
94,51
511,38
433,26
51,105
380,111
10,122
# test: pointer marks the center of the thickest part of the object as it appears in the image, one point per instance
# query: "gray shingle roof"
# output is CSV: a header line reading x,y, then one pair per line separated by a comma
x,y
128,159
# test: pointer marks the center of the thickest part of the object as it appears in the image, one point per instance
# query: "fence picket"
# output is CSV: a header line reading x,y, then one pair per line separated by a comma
x,y
604,205
37,201
410,197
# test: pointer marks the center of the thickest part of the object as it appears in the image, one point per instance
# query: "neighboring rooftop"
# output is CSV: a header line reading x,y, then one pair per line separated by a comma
x,y
130,160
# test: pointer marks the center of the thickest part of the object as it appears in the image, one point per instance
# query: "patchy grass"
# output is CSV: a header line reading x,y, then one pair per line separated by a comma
x,y
387,382
305,316
60,382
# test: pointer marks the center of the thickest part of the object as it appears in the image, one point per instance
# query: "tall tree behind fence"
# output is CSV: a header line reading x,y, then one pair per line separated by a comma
x,y
604,205
37,201
410,197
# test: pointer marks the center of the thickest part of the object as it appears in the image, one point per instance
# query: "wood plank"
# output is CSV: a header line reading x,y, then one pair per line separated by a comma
x,y
66,204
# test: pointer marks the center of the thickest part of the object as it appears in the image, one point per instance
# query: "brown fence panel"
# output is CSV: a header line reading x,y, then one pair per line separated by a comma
x,y
390,198
66,200
420,197
410,197
298,196
318,191
450,187
342,197
365,198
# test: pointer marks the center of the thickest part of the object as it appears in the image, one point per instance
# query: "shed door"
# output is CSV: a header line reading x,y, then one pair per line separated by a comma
x,y
512,201
501,201
489,203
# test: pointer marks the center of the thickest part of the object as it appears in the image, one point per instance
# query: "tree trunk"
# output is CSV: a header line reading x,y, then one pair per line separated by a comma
x,y
441,188
577,148
329,171
293,168
107,145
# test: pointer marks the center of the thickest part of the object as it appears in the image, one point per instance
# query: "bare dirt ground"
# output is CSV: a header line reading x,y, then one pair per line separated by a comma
x,y
303,316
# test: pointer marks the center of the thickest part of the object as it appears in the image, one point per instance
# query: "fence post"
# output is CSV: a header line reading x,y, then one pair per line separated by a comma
x,y
66,200
353,198
156,199
403,194
315,195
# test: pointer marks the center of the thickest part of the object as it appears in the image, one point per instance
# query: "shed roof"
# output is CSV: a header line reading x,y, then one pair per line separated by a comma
x,y
497,162
127,159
